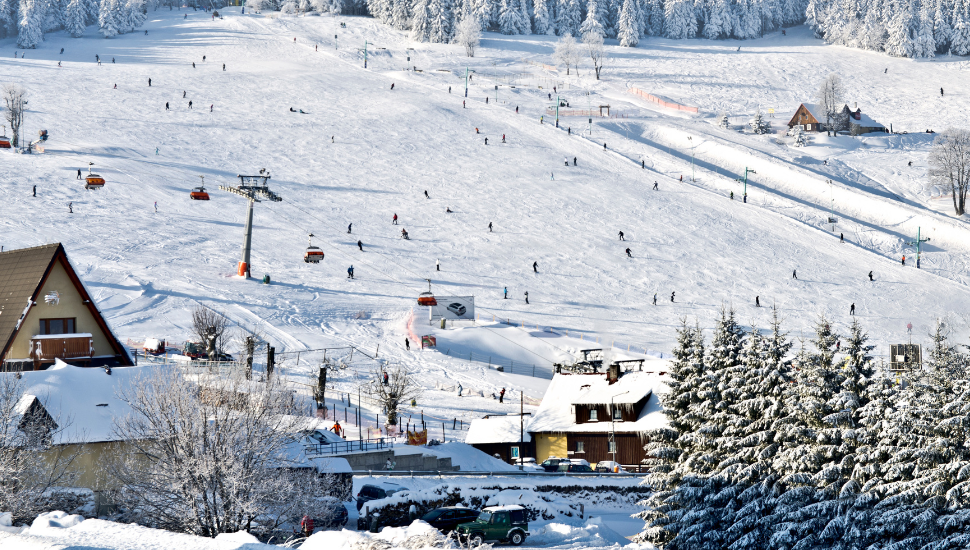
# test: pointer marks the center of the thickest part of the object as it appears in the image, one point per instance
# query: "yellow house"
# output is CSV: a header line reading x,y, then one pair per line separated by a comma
x,y
47,314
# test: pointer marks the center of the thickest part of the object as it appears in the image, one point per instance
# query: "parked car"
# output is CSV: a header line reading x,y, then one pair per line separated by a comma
x,y
457,309
572,467
496,523
609,466
551,464
529,465
373,492
448,519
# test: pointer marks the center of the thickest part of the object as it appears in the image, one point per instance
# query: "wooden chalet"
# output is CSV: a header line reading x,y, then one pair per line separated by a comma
x,y
502,436
810,118
580,413
47,314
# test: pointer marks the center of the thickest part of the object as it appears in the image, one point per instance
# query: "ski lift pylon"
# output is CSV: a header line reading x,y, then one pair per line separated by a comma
x,y
313,253
427,298
93,181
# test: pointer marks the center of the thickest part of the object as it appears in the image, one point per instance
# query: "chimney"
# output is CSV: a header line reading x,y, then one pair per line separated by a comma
x,y
856,105
613,373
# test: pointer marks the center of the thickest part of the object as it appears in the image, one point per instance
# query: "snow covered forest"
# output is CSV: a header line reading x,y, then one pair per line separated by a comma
x,y
827,450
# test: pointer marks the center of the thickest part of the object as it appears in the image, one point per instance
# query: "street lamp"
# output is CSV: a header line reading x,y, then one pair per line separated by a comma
x,y
691,140
612,443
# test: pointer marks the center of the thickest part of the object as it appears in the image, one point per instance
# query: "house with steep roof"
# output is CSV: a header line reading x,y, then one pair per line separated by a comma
x,y
502,435
811,118
599,416
47,314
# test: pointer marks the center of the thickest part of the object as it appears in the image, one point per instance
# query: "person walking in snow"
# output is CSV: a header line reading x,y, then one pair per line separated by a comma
x,y
70,208
503,138
566,160
437,265
460,389
149,83
156,207
392,85
78,173
193,64
489,227
655,188
360,245
505,296
794,274
535,267
350,227
190,104
621,235
527,296
394,220
407,345
350,272
574,162
941,92
35,190
841,238
852,309
486,141
166,106
672,294
501,395
654,298
757,301
426,194
628,253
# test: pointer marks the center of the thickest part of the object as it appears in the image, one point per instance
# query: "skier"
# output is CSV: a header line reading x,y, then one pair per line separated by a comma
x,y
62,50
58,63
655,188
852,309
643,164
870,276
392,85
501,395
505,295
211,107
350,272
516,109
183,94
941,92
672,294
552,176
460,389
567,161
193,64
489,227
503,138
569,131
190,104
574,162
407,345
621,236
292,110
448,210
463,104
486,141
203,59
70,208
166,106
527,296
116,87
156,151
223,66
360,245
35,190
156,207
629,255
486,100
794,274
604,147
350,227
394,221
904,261
757,301
426,194
732,195
838,345
112,60
404,234
449,89
654,298
149,83
78,173
437,265
841,238
535,267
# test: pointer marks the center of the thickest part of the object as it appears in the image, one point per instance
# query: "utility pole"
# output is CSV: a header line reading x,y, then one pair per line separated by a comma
x,y
335,41
589,106
612,444
917,244
466,81
252,188
832,219
521,426
365,54
691,140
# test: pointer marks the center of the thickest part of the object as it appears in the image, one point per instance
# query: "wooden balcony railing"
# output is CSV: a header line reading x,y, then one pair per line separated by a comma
x,y
66,347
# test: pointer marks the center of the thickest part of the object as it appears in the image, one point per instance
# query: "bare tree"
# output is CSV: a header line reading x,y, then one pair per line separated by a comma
x,y
567,52
15,101
469,34
210,326
215,455
30,464
830,98
950,165
400,388
597,53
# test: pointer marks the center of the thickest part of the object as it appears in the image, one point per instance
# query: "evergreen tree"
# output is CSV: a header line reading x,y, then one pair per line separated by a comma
x,y
758,124
525,22
420,21
719,21
8,17
30,24
75,18
382,9
629,34
568,17
509,18
654,18
595,15
401,15
108,24
960,37
544,18
440,21
679,19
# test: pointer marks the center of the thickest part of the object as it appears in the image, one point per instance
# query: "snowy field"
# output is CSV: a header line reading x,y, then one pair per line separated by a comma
x,y
363,153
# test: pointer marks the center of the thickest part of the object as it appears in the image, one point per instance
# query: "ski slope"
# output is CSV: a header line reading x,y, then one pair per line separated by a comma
x,y
363,152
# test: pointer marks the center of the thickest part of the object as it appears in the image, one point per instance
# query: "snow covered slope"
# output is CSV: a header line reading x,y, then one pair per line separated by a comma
x,y
363,153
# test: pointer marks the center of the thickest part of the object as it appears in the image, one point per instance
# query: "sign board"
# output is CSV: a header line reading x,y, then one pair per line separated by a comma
x,y
905,357
453,307
515,452
428,342
418,438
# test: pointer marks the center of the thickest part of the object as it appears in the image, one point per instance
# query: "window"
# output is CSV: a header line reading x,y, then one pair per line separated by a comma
x,y
518,516
612,447
515,452
617,414
592,415
57,326
580,447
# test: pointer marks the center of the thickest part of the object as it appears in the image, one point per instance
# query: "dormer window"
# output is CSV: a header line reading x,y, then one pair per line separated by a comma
x,y
617,414
593,415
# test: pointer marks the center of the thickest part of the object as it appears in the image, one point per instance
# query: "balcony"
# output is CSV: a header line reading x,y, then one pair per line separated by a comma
x,y
45,348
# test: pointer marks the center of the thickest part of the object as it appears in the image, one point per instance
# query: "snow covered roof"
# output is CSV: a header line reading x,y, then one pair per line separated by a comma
x,y
556,413
82,400
864,120
815,111
497,429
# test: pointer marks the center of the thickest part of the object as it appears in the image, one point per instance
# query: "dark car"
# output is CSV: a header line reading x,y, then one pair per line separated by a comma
x,y
448,518
373,492
496,523
552,464
570,467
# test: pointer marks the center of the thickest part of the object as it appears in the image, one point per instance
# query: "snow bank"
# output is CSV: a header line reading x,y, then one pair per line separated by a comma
x,y
418,535
54,520
468,458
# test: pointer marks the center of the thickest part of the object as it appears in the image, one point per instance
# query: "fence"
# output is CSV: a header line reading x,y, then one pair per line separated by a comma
x,y
551,111
509,365
654,99
363,445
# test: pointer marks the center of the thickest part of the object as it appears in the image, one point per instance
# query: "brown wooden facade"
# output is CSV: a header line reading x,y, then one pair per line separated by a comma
x,y
504,450
804,118
595,447
626,413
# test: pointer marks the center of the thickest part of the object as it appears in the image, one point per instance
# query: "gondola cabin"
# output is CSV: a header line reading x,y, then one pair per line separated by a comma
x,y
199,194
4,142
313,255
93,181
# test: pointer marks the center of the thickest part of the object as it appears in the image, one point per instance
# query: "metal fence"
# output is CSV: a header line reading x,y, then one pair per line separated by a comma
x,y
363,445
504,365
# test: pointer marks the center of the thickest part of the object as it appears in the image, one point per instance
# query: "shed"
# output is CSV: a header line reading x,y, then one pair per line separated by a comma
x,y
500,435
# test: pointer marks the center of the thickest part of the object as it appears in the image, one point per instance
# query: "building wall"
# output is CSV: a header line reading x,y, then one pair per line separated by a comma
x,y
90,464
70,305
629,447
504,450
550,445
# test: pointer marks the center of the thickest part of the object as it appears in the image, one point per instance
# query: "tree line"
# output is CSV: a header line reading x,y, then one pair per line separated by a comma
x,y
823,449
